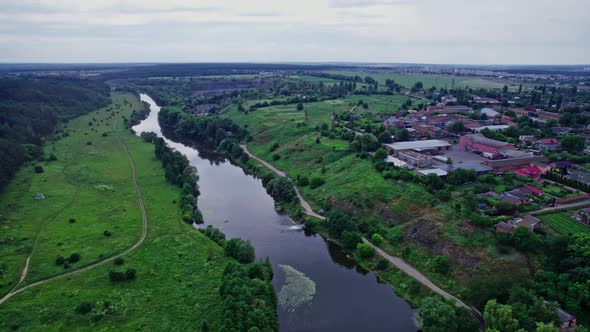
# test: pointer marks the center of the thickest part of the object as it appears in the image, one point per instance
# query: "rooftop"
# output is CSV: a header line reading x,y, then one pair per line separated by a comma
x,y
435,171
419,145
486,141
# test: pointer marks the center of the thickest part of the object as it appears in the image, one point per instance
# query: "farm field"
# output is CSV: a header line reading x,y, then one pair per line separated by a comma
x,y
564,223
438,81
178,270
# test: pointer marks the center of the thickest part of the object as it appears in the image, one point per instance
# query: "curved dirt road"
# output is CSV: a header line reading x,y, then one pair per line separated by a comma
x,y
396,261
144,229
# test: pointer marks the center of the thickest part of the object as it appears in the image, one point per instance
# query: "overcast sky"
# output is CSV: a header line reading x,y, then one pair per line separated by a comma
x,y
414,31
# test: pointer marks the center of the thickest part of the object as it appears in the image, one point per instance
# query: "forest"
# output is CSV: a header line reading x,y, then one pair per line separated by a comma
x,y
30,108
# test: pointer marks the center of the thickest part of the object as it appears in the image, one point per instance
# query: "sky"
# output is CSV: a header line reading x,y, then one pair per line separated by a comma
x,y
382,31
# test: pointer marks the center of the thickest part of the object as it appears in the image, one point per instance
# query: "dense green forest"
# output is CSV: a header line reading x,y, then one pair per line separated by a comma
x,y
31,107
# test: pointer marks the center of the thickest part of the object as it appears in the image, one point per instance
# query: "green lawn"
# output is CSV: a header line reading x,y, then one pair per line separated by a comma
x,y
564,223
178,269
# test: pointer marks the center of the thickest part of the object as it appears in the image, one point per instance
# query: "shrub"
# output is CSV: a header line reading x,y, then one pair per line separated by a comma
x,y
75,257
377,239
440,264
117,276
89,143
276,157
52,157
274,147
395,235
72,220
39,169
84,308
60,260
316,181
107,233
119,261
365,250
302,181
382,264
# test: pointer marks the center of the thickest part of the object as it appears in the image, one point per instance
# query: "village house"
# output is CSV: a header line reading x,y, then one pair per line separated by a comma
x,y
567,321
532,172
449,109
529,221
490,113
548,144
448,99
488,147
485,100
583,215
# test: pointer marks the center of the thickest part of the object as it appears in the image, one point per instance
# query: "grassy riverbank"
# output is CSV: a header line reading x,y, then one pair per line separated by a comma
x,y
178,270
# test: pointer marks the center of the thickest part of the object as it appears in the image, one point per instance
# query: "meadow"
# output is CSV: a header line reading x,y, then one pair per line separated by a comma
x,y
428,80
178,270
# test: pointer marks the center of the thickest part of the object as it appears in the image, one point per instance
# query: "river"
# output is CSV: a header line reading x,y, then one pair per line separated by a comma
x,y
347,297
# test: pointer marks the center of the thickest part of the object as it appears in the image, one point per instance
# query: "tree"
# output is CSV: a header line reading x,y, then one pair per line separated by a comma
x,y
499,317
365,250
282,189
437,316
380,154
299,106
524,240
550,327
573,143
39,169
350,240
241,250
384,137
457,127
403,135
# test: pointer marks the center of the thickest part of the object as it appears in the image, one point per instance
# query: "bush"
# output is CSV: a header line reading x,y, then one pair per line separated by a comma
x,y
302,181
377,239
107,233
316,181
440,264
241,250
72,220
395,235
276,157
119,261
382,264
117,276
84,308
39,169
60,260
88,143
365,250
75,257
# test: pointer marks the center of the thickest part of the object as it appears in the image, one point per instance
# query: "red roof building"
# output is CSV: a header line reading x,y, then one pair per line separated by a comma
x,y
532,172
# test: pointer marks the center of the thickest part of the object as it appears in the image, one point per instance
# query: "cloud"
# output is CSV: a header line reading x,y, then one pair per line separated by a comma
x,y
433,31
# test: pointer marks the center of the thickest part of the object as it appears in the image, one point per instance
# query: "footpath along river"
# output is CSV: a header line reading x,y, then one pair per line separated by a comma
x,y
346,298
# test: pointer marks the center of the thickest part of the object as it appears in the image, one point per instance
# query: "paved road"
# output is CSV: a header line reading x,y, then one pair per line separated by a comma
x,y
396,261
144,229
563,206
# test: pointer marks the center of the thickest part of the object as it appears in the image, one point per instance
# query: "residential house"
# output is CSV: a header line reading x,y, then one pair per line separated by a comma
x,y
549,144
485,100
529,221
490,113
561,131
511,199
448,99
443,109
504,227
531,172
583,215
567,321
532,190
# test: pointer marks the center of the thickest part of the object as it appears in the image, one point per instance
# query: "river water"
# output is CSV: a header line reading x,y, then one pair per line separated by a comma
x,y
347,298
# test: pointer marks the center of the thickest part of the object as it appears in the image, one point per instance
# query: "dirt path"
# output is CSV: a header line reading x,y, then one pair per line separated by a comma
x,y
142,238
396,261
306,207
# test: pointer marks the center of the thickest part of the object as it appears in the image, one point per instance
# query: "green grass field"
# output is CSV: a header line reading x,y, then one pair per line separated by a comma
x,y
564,223
438,81
178,269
